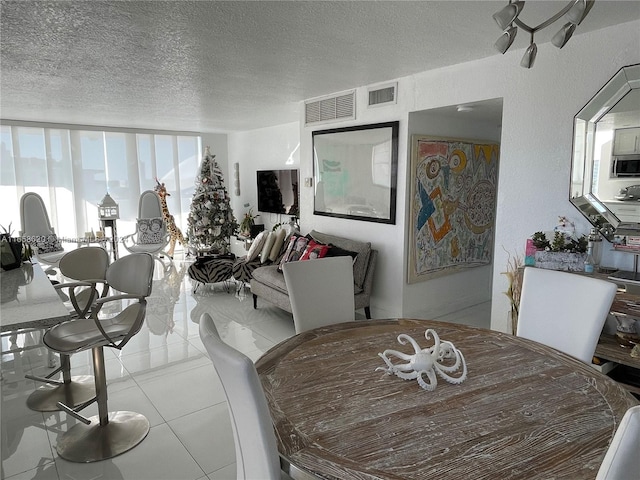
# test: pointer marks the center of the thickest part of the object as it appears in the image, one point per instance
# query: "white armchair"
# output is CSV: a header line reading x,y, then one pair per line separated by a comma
x,y
151,234
38,232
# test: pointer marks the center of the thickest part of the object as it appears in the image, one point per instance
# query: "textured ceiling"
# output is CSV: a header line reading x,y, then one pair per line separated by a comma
x,y
239,65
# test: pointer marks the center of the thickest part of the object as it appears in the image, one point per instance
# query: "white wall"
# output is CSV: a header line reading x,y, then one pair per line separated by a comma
x,y
539,106
533,187
262,149
217,143
387,239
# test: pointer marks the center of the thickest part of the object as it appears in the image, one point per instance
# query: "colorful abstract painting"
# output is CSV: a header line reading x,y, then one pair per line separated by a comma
x,y
453,204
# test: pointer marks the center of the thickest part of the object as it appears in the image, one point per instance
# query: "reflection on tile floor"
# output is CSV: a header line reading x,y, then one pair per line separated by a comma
x,y
163,373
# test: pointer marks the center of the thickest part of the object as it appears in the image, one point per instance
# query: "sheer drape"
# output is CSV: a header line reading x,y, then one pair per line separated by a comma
x,y
72,169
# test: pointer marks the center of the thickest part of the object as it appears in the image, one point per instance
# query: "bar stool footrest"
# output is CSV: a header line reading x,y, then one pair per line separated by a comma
x,y
77,392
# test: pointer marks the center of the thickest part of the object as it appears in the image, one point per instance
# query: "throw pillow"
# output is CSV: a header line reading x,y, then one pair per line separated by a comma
x,y
295,249
336,251
266,250
315,250
256,246
150,230
362,260
45,243
277,245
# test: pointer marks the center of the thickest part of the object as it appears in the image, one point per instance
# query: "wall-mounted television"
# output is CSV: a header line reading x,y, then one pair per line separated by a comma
x,y
278,191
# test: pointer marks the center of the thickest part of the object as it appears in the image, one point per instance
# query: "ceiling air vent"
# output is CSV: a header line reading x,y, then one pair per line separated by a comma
x,y
327,109
382,95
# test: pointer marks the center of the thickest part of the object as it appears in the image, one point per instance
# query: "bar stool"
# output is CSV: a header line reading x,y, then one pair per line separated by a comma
x,y
107,434
84,269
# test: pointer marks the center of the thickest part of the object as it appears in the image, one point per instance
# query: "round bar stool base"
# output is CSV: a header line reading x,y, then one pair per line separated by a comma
x,y
91,443
81,389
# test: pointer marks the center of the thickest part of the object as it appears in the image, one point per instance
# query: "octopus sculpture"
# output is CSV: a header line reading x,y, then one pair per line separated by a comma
x,y
442,358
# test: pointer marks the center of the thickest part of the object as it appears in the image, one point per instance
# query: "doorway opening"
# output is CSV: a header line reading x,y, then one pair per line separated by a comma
x,y
461,295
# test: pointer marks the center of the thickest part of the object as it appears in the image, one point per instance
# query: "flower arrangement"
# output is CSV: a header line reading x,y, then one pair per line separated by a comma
x,y
561,249
564,239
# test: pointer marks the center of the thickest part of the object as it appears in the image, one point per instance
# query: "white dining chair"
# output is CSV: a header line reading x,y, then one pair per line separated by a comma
x,y
622,460
255,440
320,291
566,311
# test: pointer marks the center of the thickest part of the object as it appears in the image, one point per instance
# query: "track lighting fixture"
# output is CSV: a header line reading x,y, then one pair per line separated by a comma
x,y
508,19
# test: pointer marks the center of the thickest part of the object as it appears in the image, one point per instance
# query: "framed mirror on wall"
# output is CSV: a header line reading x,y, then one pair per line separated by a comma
x,y
355,170
606,150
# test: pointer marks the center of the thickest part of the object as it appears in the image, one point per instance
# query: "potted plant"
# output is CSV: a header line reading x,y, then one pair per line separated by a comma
x,y
11,252
247,222
564,252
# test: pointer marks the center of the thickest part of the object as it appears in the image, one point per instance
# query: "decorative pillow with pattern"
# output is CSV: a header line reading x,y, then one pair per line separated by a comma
x,y
362,259
315,250
150,230
295,249
45,243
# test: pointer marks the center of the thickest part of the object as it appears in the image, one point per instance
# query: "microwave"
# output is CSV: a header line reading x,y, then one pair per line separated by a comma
x,y
625,166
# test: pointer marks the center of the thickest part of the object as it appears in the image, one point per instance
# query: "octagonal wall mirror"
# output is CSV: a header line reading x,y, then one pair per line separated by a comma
x,y
603,134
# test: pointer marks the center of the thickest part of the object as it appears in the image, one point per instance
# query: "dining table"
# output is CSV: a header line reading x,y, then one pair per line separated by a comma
x,y
524,411
28,303
28,299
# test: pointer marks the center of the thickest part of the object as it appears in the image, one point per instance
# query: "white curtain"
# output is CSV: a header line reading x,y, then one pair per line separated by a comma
x,y
72,170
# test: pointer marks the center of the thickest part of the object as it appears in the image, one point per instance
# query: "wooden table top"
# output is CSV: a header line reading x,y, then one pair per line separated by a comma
x,y
525,410
28,299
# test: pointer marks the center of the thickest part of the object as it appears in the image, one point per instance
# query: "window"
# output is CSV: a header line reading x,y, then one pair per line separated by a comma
x,y
72,170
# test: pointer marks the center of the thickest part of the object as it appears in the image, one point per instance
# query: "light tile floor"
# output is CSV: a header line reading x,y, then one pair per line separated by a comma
x,y
162,373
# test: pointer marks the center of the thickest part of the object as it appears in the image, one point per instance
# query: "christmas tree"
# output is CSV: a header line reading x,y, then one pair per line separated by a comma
x,y
211,221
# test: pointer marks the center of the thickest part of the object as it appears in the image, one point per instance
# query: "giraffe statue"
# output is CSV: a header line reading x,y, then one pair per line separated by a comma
x,y
172,228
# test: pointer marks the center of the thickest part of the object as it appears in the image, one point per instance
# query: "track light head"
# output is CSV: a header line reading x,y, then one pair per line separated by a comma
x,y
508,14
579,11
529,56
561,38
506,39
